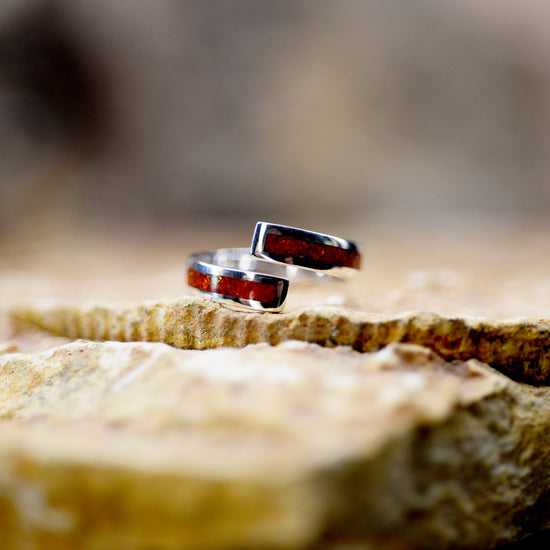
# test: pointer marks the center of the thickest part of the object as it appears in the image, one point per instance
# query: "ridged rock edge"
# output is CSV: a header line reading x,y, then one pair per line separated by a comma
x,y
520,348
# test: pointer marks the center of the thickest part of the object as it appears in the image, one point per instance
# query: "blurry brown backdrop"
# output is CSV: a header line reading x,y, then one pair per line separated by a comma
x,y
135,131
118,112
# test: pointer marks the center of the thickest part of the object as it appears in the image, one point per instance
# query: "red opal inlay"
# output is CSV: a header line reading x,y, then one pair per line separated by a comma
x,y
229,286
321,253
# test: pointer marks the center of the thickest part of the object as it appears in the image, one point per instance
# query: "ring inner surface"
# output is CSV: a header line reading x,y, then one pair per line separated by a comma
x,y
240,258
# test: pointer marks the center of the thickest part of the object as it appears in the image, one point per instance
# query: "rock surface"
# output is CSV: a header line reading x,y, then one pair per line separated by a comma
x,y
86,462
518,348
7,347
117,445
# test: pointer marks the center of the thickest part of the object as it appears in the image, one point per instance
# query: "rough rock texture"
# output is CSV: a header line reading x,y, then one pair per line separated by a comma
x,y
7,347
117,445
350,472
519,348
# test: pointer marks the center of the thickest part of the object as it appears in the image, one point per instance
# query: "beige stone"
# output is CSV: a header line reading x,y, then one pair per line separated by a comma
x,y
518,347
118,445
205,463
8,347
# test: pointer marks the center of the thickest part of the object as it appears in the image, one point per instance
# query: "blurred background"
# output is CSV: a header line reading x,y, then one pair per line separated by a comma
x,y
114,113
133,133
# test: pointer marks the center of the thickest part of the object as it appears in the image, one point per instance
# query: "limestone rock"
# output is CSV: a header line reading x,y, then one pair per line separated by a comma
x,y
7,347
518,348
117,445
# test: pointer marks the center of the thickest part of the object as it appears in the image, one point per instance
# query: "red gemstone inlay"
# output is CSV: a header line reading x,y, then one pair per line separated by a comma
x,y
229,286
322,253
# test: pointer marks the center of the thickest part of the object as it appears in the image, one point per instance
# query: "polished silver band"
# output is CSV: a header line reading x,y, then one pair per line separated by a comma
x,y
305,249
232,276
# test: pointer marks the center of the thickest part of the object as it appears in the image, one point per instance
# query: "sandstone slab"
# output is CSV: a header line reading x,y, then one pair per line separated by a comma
x,y
140,445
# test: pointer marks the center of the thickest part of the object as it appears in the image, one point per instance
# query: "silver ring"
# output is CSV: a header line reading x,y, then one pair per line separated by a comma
x,y
232,276
305,249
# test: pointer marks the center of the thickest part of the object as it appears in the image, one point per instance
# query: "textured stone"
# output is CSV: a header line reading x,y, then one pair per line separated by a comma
x,y
477,476
518,348
118,445
7,347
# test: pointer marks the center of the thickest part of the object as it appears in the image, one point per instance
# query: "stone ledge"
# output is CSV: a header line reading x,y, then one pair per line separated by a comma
x,y
520,348
142,445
